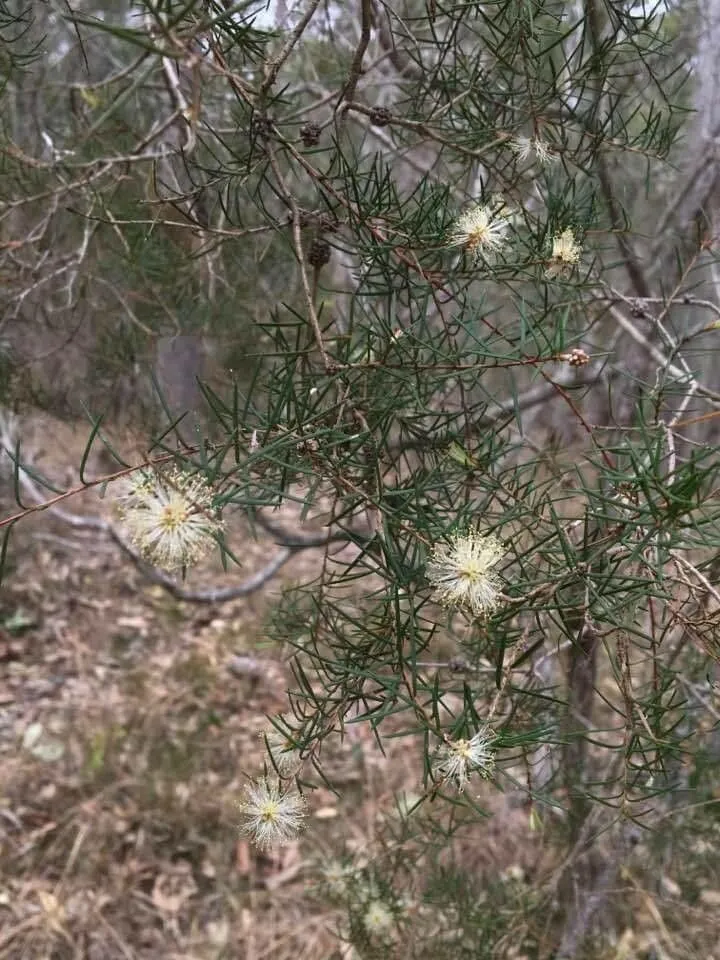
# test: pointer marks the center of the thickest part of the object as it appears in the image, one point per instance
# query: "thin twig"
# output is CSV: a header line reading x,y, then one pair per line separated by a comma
x,y
297,242
272,67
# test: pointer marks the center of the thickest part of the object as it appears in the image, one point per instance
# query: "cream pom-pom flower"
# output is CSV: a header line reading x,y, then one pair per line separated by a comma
x,y
525,147
482,229
378,919
462,572
271,815
169,517
457,759
565,255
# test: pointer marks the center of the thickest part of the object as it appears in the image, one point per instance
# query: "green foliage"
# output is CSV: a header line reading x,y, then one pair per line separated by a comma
x,y
18,48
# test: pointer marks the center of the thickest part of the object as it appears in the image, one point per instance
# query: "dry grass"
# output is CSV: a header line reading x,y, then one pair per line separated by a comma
x,y
118,823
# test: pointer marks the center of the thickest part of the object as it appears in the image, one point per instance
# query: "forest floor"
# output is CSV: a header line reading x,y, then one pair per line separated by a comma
x,y
128,727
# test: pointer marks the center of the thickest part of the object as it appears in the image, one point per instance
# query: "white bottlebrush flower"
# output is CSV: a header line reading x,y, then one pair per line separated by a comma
x,y
169,517
462,574
284,755
273,817
524,147
378,919
457,759
565,254
338,879
482,229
